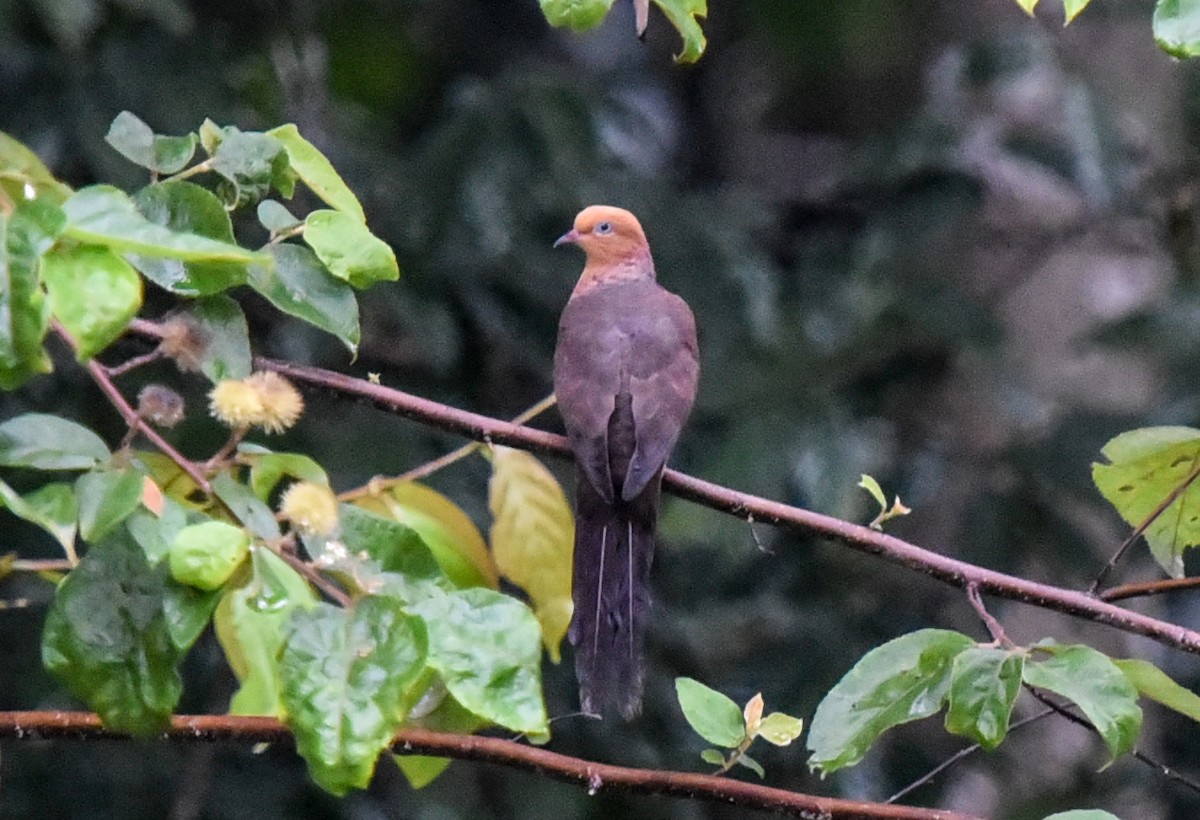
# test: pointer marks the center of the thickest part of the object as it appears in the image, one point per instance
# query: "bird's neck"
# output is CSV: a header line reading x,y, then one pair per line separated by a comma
x,y
638,267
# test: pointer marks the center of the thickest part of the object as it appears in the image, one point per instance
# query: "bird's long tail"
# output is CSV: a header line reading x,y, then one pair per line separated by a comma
x,y
614,547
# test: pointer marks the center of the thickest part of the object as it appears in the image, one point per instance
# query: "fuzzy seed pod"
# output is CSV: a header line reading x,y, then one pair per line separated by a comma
x,y
160,405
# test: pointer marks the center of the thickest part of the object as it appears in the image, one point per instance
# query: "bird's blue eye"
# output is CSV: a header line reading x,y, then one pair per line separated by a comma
x,y
604,227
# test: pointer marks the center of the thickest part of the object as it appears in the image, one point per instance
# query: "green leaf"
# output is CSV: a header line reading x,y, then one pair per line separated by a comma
x,y
713,756
1177,27
317,171
20,170
93,292
869,484
300,286
1153,683
47,442
487,648
533,538
1071,9
1146,465
350,251
275,217
348,679
249,622
1082,814
51,507
267,468
24,313
188,611
1028,6
904,680
750,763
984,685
226,351
205,555
712,715
250,511
185,208
421,770
577,15
683,14
448,531
155,533
399,549
104,215
780,729
251,162
106,498
1097,686
138,143
107,639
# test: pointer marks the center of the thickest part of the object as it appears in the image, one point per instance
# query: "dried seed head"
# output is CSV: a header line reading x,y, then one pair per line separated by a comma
x,y
160,405
184,341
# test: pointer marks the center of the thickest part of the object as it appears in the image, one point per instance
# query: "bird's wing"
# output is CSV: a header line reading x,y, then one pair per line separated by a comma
x,y
664,370
587,377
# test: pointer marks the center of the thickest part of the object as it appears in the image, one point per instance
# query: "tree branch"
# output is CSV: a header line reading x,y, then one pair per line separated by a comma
x,y
948,570
584,773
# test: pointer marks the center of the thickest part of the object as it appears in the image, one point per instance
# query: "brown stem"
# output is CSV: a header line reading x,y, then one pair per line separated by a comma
x,y
997,631
307,570
583,773
100,376
940,567
377,485
1147,588
133,363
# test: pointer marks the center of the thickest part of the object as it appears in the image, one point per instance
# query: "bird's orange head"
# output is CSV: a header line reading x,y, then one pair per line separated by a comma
x,y
614,242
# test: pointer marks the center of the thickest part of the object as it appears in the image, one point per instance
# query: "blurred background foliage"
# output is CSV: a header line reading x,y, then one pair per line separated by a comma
x,y
932,240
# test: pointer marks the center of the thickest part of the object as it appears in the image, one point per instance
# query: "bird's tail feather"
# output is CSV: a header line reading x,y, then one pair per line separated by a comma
x,y
614,548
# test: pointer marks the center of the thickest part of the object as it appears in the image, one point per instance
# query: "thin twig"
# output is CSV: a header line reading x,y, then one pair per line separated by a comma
x,y
584,773
940,567
327,588
960,755
1141,528
1147,588
997,632
133,363
1163,769
99,375
378,485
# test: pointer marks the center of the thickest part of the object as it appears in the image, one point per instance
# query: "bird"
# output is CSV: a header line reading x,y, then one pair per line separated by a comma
x,y
626,367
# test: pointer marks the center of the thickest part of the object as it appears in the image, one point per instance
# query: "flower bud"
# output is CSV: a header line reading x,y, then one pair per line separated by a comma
x,y
312,508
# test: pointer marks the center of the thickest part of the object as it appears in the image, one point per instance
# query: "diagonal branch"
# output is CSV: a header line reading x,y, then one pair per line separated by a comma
x,y
584,773
943,568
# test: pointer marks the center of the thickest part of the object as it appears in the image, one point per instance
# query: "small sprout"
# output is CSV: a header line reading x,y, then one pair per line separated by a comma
x,y
312,508
159,405
753,714
184,341
716,718
264,399
897,509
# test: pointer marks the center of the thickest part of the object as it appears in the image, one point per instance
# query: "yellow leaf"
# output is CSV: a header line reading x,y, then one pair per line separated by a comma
x,y
453,539
1028,5
533,538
